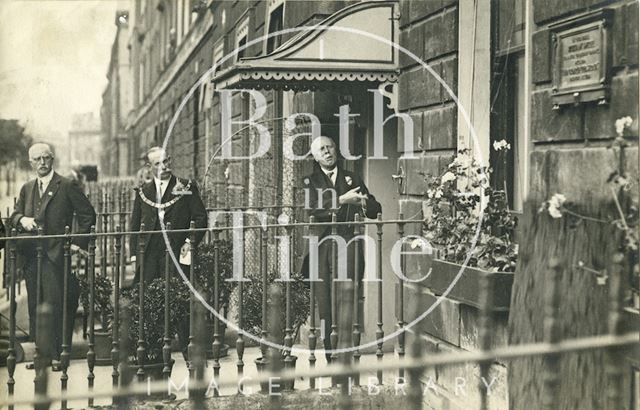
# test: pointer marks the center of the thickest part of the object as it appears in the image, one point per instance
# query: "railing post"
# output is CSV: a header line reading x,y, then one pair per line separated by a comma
x,y
274,357
415,384
312,318
192,279
215,346
265,289
196,395
125,367
166,348
43,334
64,356
11,352
401,335
122,223
110,239
103,250
379,331
38,344
355,337
115,353
486,303
615,362
240,338
334,294
289,363
141,351
551,335
91,354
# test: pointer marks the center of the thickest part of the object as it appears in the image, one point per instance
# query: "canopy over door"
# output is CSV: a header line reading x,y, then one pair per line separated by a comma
x,y
354,45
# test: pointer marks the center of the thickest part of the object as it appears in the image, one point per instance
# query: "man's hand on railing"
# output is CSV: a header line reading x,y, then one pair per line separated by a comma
x,y
185,253
78,250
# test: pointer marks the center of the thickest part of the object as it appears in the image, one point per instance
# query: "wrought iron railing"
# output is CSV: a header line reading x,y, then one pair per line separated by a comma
x,y
280,364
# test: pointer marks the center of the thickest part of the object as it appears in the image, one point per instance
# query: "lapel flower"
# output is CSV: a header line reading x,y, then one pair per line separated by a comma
x,y
180,189
348,180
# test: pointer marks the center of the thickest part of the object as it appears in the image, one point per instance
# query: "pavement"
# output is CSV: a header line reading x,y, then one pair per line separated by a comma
x,y
78,371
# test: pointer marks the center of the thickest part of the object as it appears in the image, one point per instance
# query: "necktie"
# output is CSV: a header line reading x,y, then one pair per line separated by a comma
x,y
330,175
41,187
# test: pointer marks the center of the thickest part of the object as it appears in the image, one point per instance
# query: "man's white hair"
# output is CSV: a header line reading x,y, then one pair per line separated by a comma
x,y
156,151
41,145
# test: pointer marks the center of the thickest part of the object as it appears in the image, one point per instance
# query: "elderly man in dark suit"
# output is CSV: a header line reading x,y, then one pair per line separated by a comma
x,y
49,202
332,189
172,199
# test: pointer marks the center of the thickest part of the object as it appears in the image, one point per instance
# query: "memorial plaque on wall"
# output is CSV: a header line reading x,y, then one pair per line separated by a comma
x,y
581,59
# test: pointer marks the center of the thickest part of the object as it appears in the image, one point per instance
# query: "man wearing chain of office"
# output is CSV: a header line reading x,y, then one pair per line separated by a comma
x,y
170,199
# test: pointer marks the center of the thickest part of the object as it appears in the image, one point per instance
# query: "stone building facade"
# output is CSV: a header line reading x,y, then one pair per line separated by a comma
x,y
488,64
117,103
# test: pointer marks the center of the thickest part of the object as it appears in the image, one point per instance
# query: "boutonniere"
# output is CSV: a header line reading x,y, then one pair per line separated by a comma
x,y
50,193
180,189
348,180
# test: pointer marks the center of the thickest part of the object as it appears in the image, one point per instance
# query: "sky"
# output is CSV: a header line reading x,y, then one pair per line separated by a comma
x,y
54,56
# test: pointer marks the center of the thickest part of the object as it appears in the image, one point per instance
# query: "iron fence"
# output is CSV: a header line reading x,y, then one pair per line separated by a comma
x,y
274,362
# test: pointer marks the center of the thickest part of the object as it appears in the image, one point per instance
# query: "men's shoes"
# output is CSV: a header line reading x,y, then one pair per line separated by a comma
x,y
56,366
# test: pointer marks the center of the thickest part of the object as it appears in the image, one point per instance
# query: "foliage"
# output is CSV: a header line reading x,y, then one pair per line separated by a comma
x,y
14,142
462,206
205,267
627,206
154,313
252,312
102,304
178,297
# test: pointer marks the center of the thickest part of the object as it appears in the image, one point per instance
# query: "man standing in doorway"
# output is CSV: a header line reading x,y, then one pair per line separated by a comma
x,y
332,189
49,202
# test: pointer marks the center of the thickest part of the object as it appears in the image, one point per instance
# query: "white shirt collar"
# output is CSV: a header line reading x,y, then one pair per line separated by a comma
x,y
326,172
334,174
161,185
45,180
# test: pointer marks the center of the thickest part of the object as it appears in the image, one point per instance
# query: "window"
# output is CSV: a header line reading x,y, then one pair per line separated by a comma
x,y
242,36
141,83
186,15
276,23
508,97
218,53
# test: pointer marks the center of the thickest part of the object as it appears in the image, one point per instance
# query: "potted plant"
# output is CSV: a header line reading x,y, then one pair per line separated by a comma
x,y
179,297
470,224
154,319
103,310
252,312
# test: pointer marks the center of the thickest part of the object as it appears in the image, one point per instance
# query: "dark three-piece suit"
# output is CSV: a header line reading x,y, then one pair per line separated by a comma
x,y
53,211
322,211
185,206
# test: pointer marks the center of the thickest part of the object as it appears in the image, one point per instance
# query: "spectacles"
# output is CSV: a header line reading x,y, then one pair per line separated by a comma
x,y
44,158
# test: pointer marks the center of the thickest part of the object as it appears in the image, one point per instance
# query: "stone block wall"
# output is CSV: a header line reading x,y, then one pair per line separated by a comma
x,y
570,154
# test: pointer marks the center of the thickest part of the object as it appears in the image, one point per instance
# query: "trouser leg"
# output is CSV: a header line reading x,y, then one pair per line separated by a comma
x,y
30,278
323,296
52,294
